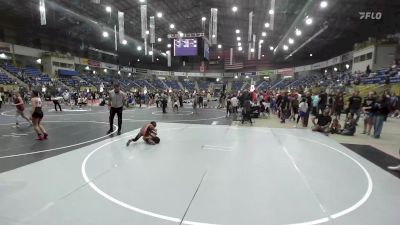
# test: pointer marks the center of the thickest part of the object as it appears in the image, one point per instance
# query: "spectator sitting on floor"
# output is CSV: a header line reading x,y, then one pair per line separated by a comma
x,y
323,123
349,126
335,127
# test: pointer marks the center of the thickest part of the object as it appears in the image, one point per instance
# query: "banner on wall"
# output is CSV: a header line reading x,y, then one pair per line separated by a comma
x,y
286,71
93,63
121,28
109,66
265,73
126,69
42,9
143,16
250,74
152,30
84,61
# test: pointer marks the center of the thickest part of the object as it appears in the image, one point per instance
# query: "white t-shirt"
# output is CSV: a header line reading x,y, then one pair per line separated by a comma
x,y
303,106
234,102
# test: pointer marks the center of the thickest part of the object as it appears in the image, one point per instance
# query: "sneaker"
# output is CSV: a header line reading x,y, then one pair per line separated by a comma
x,y
45,135
119,132
40,138
364,132
295,126
109,131
396,168
128,143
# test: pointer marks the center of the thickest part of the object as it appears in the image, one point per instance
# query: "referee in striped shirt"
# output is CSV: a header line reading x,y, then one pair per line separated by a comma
x,y
117,100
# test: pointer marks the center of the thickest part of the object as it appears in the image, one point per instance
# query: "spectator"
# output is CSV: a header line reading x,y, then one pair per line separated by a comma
x,y
369,102
338,105
349,126
303,109
323,123
380,111
355,102
335,127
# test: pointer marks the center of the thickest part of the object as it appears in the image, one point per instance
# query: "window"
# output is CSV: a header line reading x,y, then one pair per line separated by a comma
x,y
369,55
357,59
362,58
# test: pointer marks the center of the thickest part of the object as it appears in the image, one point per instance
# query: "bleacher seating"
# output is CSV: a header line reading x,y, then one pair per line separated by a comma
x,y
203,85
172,84
4,79
158,84
236,85
188,85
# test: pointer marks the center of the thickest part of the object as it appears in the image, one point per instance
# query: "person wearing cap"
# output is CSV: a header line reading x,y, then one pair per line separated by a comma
x,y
117,100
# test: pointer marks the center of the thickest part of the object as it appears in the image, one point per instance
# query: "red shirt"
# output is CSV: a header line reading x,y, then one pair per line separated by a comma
x,y
19,107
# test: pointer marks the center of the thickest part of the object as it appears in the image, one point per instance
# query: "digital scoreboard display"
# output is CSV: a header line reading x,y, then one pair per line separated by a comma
x,y
185,47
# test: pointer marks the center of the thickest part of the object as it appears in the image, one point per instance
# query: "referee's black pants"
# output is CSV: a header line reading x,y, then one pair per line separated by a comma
x,y
114,111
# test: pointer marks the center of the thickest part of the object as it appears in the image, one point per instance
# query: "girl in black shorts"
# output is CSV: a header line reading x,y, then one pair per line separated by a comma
x,y
37,116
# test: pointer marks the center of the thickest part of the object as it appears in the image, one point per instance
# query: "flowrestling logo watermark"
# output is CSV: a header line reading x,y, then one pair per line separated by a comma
x,y
370,15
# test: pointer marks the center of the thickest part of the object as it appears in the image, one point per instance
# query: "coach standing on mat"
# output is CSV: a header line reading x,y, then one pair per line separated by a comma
x,y
117,99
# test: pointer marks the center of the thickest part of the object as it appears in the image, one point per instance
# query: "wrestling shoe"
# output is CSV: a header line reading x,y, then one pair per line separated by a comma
x,y
45,135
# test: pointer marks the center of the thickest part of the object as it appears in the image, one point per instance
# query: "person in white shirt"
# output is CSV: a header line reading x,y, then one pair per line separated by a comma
x,y
303,107
235,104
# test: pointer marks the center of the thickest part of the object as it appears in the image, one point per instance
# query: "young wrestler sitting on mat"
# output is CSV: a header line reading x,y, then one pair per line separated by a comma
x,y
149,134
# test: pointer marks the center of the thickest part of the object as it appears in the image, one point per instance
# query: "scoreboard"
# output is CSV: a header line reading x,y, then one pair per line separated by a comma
x,y
185,47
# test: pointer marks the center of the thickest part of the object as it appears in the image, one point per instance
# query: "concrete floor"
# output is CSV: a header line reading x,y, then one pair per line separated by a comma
x,y
199,174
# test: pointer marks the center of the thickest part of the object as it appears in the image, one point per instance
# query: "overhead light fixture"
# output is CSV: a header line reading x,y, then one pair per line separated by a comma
x,y
326,71
239,44
252,50
94,72
105,70
271,12
237,31
297,32
147,32
219,46
247,76
264,34
291,41
124,42
311,54
217,79
172,26
285,47
261,41
335,69
159,39
150,52
213,36
271,48
159,14
266,25
309,21
129,74
234,9
323,4
119,72
108,8
219,57
138,60
240,48
180,34
236,76
87,68
105,34
203,18
263,56
168,45
238,38
158,59
142,1
139,48
38,61
347,66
